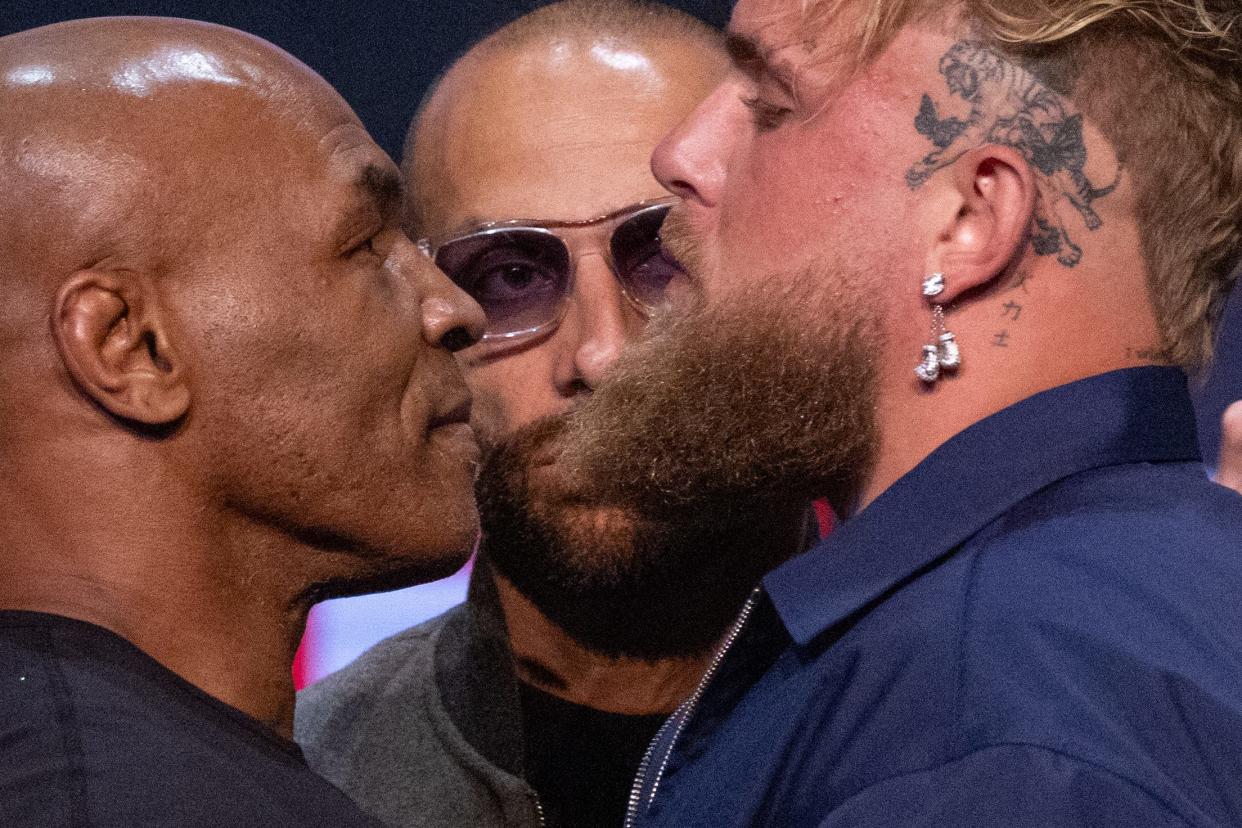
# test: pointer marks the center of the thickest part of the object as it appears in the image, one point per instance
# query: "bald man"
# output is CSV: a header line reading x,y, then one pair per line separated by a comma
x,y
534,702
228,391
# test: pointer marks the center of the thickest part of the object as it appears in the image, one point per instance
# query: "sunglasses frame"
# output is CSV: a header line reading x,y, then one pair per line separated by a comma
x,y
431,245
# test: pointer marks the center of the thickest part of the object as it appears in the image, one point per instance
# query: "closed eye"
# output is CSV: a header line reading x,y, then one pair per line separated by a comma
x,y
367,245
766,116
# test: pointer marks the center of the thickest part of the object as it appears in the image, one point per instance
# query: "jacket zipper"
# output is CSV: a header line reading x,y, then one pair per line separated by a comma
x,y
543,822
681,716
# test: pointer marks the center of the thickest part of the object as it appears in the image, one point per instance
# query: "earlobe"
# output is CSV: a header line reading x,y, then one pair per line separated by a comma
x,y
116,350
997,191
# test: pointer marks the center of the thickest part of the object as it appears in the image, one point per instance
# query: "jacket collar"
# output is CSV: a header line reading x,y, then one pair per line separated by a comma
x,y
475,675
1127,416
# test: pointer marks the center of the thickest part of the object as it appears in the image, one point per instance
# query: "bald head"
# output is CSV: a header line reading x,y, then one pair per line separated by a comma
x,y
207,292
577,90
110,125
226,384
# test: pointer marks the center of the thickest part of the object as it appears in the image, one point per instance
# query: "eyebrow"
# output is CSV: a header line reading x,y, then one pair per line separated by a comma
x,y
744,52
753,60
382,186
473,223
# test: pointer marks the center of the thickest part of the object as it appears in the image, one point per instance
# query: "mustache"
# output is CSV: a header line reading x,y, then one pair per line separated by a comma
x,y
523,448
530,438
508,461
679,240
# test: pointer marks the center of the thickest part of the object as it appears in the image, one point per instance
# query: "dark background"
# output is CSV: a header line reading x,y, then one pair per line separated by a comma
x,y
383,54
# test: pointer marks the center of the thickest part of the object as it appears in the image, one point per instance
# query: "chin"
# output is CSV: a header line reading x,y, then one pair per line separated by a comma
x,y
423,544
398,569
425,567
440,544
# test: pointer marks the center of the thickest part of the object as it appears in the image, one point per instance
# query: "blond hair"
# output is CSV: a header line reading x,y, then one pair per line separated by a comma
x,y
1161,79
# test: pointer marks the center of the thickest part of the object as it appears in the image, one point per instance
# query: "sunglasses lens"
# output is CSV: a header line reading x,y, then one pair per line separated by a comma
x,y
642,265
519,277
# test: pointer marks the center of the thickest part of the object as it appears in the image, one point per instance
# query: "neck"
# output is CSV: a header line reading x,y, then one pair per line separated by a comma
x,y
141,560
547,658
1050,330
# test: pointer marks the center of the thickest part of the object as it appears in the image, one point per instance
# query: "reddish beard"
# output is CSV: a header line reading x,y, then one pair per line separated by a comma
x,y
764,396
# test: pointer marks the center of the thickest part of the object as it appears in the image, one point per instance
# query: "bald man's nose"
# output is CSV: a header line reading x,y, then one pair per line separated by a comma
x,y
598,324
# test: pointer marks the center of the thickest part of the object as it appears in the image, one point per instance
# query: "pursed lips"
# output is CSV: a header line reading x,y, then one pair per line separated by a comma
x,y
456,411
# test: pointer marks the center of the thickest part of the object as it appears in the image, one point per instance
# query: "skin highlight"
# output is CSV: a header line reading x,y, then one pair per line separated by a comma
x,y
225,364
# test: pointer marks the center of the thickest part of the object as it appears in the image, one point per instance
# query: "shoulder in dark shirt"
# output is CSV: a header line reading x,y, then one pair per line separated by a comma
x,y
93,732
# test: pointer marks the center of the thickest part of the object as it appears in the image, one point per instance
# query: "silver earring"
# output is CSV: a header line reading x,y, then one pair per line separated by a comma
x,y
943,352
929,369
950,356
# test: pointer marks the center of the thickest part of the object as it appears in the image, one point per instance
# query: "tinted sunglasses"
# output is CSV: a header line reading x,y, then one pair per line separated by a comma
x,y
521,272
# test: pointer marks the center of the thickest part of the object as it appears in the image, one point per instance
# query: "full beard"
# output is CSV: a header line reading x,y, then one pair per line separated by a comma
x,y
766,394
621,583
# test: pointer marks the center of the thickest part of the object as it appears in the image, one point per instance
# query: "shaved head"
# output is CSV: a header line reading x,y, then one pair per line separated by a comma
x,y
554,118
569,77
216,340
623,19
113,134
99,115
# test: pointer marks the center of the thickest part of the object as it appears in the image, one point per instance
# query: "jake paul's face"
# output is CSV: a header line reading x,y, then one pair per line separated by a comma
x,y
577,151
779,169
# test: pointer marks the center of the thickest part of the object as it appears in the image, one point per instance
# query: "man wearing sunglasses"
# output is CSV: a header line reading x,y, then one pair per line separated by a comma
x,y
534,702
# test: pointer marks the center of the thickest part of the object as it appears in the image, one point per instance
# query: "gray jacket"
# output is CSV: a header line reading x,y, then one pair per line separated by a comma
x,y
425,729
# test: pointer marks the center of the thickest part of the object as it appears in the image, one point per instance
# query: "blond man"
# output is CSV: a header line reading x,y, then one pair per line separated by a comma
x,y
950,262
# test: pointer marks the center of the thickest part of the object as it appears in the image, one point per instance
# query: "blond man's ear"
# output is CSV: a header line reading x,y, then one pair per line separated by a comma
x,y
1229,472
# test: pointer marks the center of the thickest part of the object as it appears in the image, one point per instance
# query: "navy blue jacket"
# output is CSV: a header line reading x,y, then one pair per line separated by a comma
x,y
1041,625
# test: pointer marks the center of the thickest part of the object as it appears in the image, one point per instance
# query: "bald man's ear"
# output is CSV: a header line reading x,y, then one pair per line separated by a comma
x,y
115,347
994,192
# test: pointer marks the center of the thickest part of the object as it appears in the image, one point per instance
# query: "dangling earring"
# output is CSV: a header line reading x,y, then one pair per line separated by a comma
x,y
950,355
943,352
929,369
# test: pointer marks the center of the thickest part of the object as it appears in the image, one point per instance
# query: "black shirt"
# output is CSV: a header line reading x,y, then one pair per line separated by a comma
x,y
582,761
93,732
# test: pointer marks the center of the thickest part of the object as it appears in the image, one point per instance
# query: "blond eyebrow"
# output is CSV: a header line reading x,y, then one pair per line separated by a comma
x,y
744,52
749,57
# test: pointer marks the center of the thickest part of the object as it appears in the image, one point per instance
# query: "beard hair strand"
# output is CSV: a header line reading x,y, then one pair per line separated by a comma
x,y
763,396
